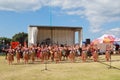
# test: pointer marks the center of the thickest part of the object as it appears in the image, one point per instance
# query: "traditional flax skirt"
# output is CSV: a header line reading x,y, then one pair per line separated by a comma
x,y
10,57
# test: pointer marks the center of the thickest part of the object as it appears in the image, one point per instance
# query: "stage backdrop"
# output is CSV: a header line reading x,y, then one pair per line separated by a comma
x,y
54,34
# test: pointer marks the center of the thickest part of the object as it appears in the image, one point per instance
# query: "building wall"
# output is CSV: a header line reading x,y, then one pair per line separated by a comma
x,y
63,36
58,35
43,33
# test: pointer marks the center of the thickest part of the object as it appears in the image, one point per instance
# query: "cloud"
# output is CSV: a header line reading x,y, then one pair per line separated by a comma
x,y
97,12
114,31
20,5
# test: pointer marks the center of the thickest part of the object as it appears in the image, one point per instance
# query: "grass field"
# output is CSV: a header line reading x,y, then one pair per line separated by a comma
x,y
61,71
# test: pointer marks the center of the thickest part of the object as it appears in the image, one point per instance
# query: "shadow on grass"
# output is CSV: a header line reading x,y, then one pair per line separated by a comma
x,y
109,65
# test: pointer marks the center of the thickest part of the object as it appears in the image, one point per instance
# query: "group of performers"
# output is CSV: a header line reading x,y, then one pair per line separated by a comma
x,y
54,53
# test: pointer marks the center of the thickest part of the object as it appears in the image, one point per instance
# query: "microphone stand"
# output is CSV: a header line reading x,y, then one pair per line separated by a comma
x,y
45,66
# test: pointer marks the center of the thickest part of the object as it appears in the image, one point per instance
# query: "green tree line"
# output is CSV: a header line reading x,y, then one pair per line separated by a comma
x,y
20,37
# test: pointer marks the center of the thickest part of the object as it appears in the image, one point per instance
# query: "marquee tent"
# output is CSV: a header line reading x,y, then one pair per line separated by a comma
x,y
105,39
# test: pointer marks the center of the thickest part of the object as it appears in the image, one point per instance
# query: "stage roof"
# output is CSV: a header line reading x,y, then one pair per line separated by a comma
x,y
43,26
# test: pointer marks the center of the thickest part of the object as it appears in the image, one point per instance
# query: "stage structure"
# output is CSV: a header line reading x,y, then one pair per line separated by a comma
x,y
54,35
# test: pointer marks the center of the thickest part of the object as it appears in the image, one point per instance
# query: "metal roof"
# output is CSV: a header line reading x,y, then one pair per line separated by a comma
x,y
43,26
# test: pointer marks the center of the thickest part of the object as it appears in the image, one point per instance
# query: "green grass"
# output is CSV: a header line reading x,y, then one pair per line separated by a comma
x,y
60,71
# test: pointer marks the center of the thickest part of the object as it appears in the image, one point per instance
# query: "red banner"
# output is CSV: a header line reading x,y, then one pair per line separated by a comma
x,y
14,44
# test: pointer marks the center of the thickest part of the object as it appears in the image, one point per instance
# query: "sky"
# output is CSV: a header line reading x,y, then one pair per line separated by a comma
x,y
96,17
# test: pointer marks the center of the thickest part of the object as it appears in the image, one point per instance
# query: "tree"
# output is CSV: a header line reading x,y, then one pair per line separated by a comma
x,y
5,40
20,37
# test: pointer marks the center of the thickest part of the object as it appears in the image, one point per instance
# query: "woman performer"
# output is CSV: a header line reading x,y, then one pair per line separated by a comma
x,y
78,51
95,53
60,52
51,52
42,53
108,52
18,54
32,54
84,53
56,54
46,53
72,54
25,54
10,55
38,53
89,51
65,52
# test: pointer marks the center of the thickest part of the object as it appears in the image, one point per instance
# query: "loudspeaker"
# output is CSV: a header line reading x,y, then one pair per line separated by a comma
x,y
87,41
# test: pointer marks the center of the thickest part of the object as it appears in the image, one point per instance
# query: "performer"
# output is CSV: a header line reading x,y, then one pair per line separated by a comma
x,y
46,52
95,53
89,51
56,54
78,50
72,54
18,54
60,52
51,53
10,56
32,53
108,52
84,53
42,53
25,54
38,53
